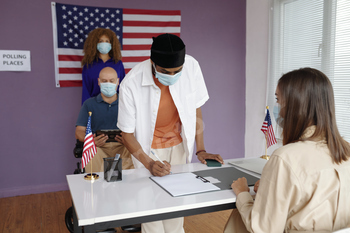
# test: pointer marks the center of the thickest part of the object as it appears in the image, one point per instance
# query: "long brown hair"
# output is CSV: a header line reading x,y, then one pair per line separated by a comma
x,y
307,99
90,46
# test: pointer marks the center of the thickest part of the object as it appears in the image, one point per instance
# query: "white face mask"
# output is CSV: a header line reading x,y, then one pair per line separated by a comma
x,y
167,79
104,47
108,89
276,114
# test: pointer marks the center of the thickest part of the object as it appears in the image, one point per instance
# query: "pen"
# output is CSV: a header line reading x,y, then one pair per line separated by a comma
x,y
159,159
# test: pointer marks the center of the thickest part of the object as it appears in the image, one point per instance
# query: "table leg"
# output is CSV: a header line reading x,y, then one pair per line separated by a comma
x,y
77,229
89,229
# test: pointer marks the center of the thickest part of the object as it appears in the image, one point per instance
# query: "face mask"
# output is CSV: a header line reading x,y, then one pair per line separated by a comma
x,y
276,114
108,89
104,47
167,79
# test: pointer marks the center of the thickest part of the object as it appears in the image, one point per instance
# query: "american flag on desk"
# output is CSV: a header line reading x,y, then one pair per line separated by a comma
x,y
134,28
267,129
89,149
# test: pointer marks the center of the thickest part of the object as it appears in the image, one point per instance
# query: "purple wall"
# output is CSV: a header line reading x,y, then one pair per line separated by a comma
x,y
37,119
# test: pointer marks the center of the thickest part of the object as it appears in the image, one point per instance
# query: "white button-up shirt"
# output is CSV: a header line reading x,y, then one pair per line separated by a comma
x,y
139,101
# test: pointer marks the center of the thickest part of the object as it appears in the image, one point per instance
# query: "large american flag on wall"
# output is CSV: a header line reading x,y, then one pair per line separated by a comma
x,y
134,28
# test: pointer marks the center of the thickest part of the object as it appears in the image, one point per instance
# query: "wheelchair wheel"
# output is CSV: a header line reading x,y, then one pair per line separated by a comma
x,y
69,219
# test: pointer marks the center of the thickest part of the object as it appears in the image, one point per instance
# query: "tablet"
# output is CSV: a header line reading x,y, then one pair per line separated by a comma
x,y
111,133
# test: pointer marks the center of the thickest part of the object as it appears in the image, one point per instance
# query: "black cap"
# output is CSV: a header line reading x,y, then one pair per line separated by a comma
x,y
168,51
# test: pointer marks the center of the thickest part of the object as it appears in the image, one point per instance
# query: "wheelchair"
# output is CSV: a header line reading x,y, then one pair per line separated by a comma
x,y
78,151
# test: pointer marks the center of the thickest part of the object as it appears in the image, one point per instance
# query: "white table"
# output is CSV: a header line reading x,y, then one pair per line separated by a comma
x,y
137,199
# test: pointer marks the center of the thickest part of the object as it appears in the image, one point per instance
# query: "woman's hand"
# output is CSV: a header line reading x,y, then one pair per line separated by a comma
x,y
240,185
256,186
202,156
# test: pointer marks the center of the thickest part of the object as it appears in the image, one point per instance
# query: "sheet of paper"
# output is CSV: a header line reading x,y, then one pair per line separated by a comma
x,y
15,60
254,165
180,184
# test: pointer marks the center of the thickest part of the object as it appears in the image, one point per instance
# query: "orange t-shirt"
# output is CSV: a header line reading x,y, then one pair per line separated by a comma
x,y
167,132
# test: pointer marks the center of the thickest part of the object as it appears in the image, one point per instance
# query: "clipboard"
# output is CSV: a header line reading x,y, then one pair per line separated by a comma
x,y
186,183
226,175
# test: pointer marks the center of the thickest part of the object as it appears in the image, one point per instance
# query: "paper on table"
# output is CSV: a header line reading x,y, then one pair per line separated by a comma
x,y
254,165
180,184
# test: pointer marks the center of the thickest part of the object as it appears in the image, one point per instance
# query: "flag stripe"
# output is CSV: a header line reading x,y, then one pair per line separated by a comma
x,y
130,65
134,59
150,12
131,47
152,29
136,41
151,24
70,70
70,58
70,64
143,35
141,17
70,77
137,53
71,83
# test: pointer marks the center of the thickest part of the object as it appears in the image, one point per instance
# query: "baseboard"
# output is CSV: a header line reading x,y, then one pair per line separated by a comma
x,y
27,190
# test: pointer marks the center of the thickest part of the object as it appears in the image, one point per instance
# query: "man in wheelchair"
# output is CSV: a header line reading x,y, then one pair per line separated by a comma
x,y
104,108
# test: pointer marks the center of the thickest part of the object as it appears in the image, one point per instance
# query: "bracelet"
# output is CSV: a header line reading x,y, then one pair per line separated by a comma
x,y
200,151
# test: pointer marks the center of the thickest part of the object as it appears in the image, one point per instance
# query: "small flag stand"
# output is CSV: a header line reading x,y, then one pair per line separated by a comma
x,y
89,150
91,176
267,129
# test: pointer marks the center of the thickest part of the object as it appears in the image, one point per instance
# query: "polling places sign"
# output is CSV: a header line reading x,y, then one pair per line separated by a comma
x,y
14,60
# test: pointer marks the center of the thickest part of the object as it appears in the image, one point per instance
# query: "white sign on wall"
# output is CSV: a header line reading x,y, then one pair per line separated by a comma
x,y
14,60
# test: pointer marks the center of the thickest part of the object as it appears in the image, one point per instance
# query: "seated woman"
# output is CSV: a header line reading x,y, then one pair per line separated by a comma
x,y
101,49
304,187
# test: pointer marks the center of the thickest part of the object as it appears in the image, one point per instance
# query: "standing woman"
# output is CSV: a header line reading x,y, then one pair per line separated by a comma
x,y
305,186
101,49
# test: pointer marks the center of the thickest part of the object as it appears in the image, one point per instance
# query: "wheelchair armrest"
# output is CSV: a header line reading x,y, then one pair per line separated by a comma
x,y
78,149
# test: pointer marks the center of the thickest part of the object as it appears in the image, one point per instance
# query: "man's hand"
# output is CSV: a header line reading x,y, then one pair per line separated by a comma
x,y
100,140
240,185
202,156
119,138
159,169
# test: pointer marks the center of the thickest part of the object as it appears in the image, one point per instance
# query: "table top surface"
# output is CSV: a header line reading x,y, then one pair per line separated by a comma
x,y
136,196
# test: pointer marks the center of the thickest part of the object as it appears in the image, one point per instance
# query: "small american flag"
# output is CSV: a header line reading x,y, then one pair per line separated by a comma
x,y
134,29
267,129
89,149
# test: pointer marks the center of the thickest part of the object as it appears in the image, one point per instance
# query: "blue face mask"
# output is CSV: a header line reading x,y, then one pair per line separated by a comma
x,y
108,89
167,79
276,113
104,47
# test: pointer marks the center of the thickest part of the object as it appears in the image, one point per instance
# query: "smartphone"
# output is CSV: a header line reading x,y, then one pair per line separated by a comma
x,y
111,133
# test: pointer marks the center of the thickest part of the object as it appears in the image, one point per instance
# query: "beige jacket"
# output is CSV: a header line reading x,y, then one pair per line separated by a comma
x,y
301,189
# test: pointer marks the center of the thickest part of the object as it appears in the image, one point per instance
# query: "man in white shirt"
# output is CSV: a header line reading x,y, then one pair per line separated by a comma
x,y
160,114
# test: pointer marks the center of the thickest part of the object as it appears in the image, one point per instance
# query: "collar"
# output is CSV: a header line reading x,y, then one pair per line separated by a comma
x,y
309,132
147,76
100,60
99,99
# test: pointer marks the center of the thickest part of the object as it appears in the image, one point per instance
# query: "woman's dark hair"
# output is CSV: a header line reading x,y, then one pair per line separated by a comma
x,y
90,46
307,99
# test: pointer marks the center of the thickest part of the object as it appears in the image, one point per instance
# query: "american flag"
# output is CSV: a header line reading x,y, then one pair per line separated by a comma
x,y
89,149
134,28
267,129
